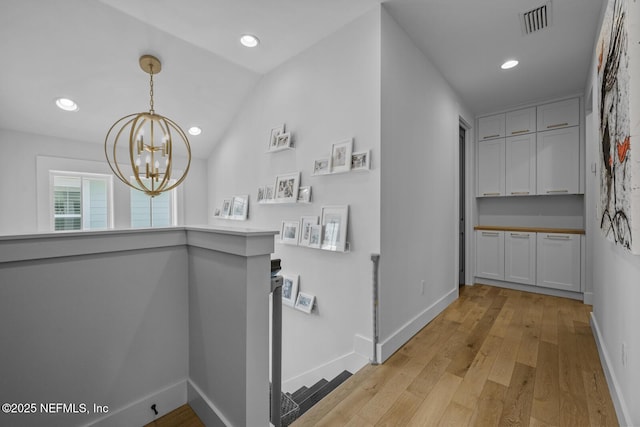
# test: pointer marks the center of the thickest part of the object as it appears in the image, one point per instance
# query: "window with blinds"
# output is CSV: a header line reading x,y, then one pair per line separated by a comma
x,y
80,202
158,211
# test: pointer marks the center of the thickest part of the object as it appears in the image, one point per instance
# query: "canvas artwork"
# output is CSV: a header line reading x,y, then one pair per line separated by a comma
x,y
619,173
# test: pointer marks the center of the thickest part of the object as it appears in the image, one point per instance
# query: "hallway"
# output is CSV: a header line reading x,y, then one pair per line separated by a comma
x,y
493,357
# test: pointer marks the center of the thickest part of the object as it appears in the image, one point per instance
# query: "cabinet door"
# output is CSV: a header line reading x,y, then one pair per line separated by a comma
x,y
491,164
520,122
490,254
558,161
558,261
491,127
520,257
520,165
559,114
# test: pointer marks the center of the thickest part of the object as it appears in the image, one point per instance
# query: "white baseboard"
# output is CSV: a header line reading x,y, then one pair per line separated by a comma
x,y
614,388
204,408
351,362
139,412
588,298
404,334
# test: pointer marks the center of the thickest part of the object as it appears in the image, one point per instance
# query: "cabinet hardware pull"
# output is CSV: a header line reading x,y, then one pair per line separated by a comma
x,y
557,191
519,192
558,237
492,233
557,125
490,194
515,132
491,136
519,235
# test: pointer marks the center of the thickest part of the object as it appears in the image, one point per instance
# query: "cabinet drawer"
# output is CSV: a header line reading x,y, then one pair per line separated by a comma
x,y
559,115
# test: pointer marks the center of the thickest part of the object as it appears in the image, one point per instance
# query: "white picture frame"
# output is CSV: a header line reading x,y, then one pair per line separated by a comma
x,y
284,141
321,167
239,207
286,188
273,137
361,161
289,232
226,208
290,289
341,156
260,198
268,194
306,222
305,302
315,236
334,221
304,194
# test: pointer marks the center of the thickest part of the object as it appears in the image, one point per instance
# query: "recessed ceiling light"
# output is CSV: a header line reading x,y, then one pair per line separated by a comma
x,y
509,64
66,104
249,40
195,130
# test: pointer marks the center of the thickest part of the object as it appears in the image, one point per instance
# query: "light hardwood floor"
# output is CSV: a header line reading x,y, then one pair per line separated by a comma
x,y
493,357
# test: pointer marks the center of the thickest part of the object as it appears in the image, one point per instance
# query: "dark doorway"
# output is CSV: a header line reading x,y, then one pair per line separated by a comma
x,y
461,224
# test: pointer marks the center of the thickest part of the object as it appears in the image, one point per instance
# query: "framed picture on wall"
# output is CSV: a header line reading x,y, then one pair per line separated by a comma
x,y
260,198
290,289
284,141
226,208
315,236
268,194
321,167
360,161
286,188
273,137
334,225
304,194
239,207
341,156
305,302
306,222
289,232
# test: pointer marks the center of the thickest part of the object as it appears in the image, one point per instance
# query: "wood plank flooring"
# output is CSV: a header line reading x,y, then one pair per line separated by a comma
x,y
493,357
180,417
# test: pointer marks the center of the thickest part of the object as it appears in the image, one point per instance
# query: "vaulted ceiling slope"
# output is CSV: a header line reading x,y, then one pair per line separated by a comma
x,y
88,50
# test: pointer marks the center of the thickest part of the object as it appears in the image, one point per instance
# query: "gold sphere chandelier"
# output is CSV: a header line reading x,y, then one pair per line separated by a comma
x,y
149,164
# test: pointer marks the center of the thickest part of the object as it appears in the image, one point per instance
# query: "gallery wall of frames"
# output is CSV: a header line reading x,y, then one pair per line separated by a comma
x,y
326,231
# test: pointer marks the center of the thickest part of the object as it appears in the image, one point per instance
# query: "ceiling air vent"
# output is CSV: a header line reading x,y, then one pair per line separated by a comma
x,y
536,19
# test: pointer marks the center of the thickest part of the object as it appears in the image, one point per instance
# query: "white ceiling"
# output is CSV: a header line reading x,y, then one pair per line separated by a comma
x,y
88,50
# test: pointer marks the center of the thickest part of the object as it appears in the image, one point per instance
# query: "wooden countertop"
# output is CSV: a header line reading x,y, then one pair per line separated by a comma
x,y
529,229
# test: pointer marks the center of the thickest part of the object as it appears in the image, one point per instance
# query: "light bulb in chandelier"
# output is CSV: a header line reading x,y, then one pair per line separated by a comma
x,y
159,139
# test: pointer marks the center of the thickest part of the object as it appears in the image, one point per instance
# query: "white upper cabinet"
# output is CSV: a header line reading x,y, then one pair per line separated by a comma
x,y
520,121
558,161
559,114
491,127
491,166
521,165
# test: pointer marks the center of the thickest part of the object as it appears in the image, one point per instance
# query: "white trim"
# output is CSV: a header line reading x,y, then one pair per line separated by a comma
x,y
588,298
409,329
531,288
351,362
139,412
203,407
614,387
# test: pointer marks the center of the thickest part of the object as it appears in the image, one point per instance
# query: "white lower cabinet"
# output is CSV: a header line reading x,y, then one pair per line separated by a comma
x,y
520,257
550,260
558,264
490,254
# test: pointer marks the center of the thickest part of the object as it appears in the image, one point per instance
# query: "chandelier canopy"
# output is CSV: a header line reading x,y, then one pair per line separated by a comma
x,y
151,140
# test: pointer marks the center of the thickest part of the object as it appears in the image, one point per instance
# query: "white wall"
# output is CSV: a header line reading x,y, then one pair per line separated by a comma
x,y
616,273
328,93
419,187
24,185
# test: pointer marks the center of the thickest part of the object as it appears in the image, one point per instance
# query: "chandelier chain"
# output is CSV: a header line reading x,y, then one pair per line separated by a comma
x,y
151,110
